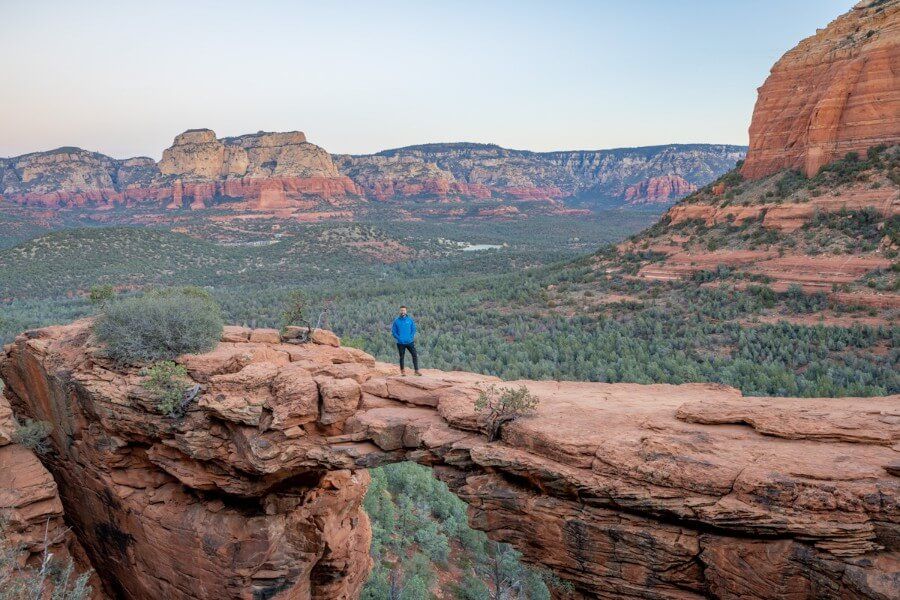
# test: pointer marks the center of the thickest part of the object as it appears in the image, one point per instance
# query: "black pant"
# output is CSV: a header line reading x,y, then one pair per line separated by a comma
x,y
402,348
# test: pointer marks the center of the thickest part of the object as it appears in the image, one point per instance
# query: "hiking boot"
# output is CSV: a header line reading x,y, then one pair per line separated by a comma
x,y
402,372
419,373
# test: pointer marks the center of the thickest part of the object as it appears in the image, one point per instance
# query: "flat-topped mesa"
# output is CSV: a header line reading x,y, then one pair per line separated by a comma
x,y
265,170
837,91
198,154
623,490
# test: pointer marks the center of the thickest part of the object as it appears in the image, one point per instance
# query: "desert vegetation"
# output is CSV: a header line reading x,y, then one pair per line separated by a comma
x,y
418,526
540,307
52,579
168,384
503,405
159,325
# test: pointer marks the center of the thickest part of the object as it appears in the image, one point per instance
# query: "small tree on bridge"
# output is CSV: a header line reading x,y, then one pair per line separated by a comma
x,y
502,405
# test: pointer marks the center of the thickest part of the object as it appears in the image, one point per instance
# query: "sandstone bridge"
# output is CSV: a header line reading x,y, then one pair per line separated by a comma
x,y
626,491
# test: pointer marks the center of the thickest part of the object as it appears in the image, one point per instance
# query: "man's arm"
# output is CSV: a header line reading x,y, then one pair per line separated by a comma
x,y
394,331
413,327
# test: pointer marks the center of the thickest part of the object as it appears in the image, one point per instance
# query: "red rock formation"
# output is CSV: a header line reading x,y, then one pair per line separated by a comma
x,y
658,190
790,217
624,490
489,171
835,92
29,503
264,171
30,506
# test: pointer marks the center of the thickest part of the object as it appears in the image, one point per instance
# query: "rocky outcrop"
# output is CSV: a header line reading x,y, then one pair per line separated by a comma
x,y
265,171
884,201
31,512
624,490
658,190
835,92
487,170
198,155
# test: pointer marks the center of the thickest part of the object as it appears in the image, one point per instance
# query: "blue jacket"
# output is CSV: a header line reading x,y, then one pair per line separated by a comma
x,y
404,330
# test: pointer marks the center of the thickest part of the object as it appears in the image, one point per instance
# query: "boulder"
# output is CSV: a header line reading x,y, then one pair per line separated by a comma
x,y
266,336
324,337
340,399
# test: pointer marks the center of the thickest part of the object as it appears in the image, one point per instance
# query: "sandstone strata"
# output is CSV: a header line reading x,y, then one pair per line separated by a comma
x,y
30,507
835,92
486,170
787,218
270,171
263,170
640,491
658,190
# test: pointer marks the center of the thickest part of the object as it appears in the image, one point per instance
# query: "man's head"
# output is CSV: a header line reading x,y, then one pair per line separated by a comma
x,y
402,311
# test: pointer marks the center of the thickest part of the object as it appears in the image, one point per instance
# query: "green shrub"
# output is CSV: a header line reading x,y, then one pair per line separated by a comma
x,y
159,325
764,294
168,383
51,579
33,435
294,310
471,588
801,302
101,294
789,183
732,178
502,405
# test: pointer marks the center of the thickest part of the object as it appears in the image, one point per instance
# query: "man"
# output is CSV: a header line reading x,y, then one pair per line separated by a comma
x,y
404,332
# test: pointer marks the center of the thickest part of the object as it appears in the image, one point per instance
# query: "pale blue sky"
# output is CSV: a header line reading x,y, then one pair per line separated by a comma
x,y
124,77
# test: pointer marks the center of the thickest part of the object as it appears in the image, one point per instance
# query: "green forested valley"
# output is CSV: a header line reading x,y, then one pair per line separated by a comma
x,y
517,299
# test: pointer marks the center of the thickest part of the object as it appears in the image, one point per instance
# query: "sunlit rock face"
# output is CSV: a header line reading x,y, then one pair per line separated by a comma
x,y
282,171
488,171
658,190
258,171
837,91
624,490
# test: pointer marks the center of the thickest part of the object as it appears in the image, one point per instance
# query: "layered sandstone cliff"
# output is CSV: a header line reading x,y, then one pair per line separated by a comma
x,y
835,92
486,170
639,491
31,512
830,229
658,190
255,171
833,235
264,171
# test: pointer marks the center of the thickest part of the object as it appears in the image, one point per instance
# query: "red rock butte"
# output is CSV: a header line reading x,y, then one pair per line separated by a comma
x,y
266,172
837,91
623,490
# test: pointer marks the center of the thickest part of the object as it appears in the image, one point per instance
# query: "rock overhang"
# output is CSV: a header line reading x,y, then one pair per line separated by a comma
x,y
276,419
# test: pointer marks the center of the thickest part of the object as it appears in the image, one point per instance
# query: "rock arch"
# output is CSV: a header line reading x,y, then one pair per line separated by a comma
x,y
623,490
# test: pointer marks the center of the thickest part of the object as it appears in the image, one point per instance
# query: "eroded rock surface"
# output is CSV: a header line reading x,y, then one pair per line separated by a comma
x,y
658,190
837,91
285,175
31,511
486,170
624,490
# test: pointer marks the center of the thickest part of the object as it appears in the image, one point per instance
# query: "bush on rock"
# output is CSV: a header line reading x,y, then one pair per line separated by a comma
x,y
160,325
